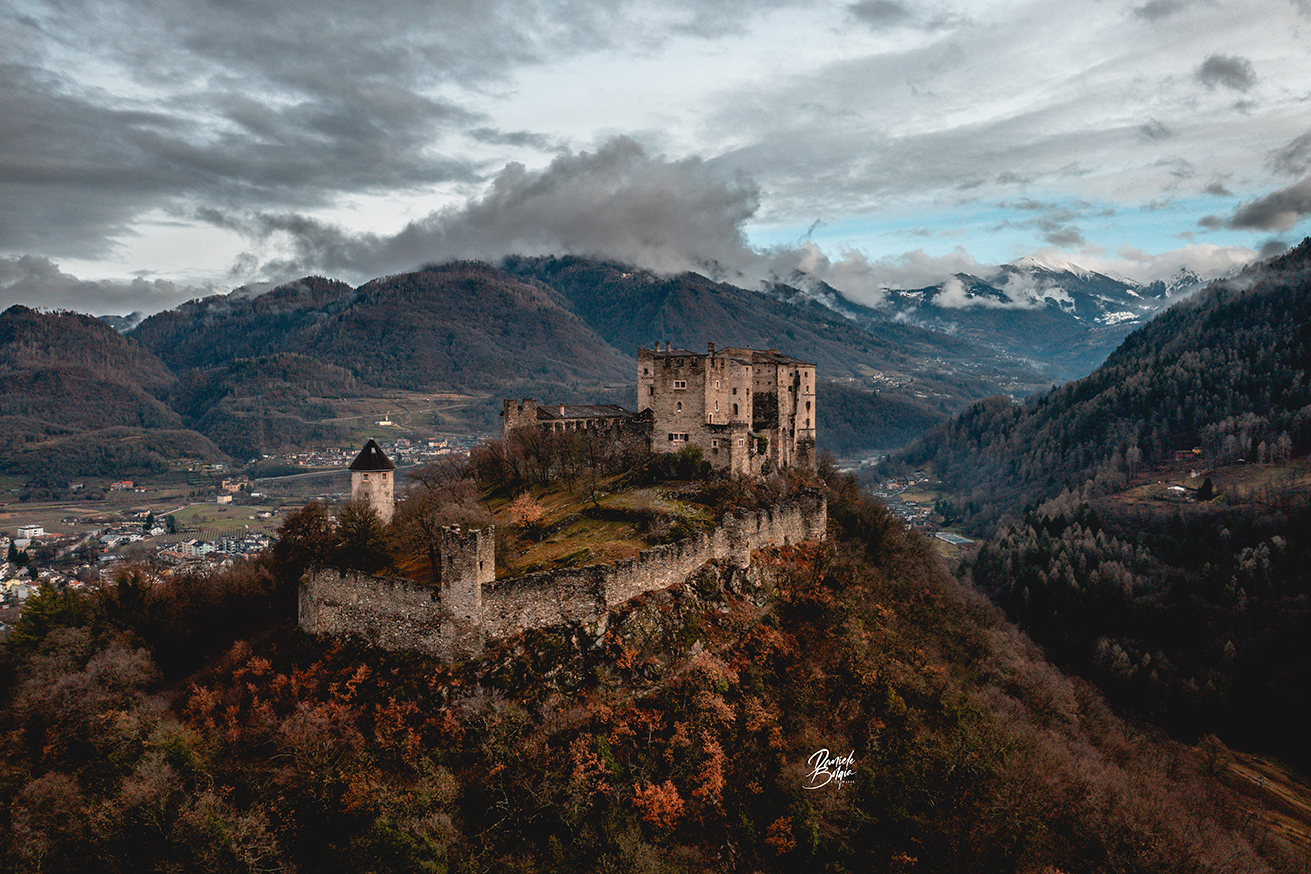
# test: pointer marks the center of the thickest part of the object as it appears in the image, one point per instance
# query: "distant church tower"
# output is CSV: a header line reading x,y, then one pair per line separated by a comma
x,y
373,479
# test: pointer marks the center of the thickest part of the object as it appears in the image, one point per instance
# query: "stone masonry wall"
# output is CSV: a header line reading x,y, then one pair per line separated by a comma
x,y
397,614
388,612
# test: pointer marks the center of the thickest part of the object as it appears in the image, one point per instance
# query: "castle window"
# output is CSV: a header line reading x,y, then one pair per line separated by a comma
x,y
807,406
365,477
735,409
716,383
680,406
680,385
645,371
650,390
716,406
734,390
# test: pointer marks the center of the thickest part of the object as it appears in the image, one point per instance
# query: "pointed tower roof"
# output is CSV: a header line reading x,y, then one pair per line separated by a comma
x,y
372,457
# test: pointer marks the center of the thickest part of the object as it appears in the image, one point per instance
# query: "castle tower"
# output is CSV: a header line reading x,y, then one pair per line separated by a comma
x,y
468,562
373,480
517,416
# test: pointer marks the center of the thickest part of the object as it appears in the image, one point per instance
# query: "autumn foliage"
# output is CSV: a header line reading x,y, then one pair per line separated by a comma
x,y
676,740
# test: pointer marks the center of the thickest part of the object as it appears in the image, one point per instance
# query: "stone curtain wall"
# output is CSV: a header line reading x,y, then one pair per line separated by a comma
x,y
388,612
397,614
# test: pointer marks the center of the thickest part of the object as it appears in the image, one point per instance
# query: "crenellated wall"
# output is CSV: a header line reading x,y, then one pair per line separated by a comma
x,y
473,608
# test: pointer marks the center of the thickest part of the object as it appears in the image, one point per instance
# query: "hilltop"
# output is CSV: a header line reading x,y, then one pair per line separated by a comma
x,y
187,724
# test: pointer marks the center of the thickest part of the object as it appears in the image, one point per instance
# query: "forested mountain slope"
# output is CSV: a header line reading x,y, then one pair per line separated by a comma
x,y
79,397
1187,604
1228,372
186,725
458,324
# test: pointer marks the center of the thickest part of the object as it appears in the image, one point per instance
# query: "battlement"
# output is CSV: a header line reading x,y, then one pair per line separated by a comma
x,y
470,606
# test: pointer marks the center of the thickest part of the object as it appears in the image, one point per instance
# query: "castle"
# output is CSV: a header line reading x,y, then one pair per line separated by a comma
x,y
750,411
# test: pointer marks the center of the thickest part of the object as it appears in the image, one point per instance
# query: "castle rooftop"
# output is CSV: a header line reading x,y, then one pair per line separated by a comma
x,y
582,411
372,457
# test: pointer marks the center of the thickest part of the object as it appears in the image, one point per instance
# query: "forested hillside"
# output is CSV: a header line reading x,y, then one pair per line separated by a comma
x,y
79,398
849,420
1186,604
187,726
1228,372
255,404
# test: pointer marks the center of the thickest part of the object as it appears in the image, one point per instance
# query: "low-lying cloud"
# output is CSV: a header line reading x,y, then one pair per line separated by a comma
x,y
1277,211
616,202
30,279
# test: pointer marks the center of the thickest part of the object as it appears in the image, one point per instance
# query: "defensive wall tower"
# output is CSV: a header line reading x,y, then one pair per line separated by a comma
x,y
373,480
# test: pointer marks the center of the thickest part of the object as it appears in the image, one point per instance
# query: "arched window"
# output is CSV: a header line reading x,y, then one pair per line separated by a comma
x,y
680,406
735,409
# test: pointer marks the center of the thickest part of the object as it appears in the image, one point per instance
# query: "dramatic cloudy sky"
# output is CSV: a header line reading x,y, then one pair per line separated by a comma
x,y
156,150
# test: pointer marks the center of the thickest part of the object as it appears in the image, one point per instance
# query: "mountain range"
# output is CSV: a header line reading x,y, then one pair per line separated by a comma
x,y
250,372
1054,316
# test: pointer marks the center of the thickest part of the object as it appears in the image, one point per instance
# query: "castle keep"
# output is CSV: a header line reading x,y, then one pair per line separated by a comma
x,y
750,411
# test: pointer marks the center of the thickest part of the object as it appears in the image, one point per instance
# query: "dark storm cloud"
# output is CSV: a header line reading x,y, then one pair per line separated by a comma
x,y
1155,10
1065,237
880,13
1218,189
1054,222
251,105
519,139
616,202
35,281
1293,159
1277,211
1230,71
256,106
1154,130
1271,248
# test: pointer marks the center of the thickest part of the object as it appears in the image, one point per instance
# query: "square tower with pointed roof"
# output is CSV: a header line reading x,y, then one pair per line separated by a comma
x,y
373,479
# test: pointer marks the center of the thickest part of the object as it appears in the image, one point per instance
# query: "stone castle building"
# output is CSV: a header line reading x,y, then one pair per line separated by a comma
x,y
373,480
564,417
750,411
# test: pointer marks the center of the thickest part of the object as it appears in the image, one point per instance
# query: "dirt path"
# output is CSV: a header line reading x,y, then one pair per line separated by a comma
x,y
1282,797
